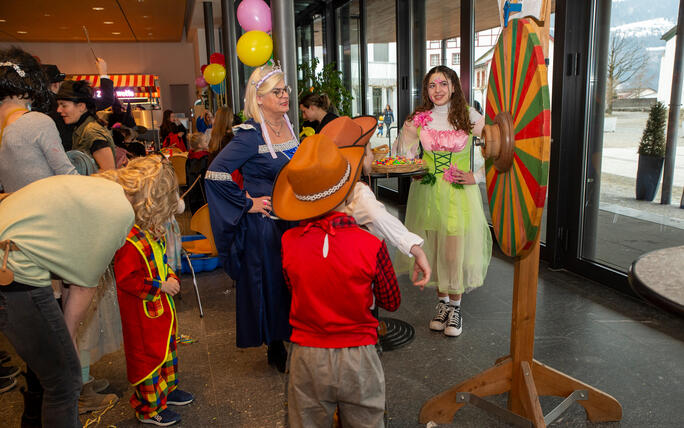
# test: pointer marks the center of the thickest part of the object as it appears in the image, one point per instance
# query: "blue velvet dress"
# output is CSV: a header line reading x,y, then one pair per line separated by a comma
x,y
248,243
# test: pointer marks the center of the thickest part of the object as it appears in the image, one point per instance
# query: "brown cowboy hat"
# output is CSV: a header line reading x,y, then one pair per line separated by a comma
x,y
317,179
346,131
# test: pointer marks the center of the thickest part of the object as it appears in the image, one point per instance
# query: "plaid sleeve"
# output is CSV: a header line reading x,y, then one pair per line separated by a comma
x,y
150,289
386,290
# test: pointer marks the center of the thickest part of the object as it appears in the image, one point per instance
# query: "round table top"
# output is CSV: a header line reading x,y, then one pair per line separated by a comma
x,y
658,276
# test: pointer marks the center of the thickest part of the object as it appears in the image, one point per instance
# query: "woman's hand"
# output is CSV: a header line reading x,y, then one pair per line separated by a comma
x,y
421,266
170,286
463,177
260,205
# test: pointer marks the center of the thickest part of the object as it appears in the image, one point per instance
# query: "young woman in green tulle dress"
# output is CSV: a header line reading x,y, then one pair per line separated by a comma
x,y
445,207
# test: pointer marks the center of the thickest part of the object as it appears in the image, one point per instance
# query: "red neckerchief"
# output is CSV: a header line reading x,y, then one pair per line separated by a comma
x,y
327,223
197,154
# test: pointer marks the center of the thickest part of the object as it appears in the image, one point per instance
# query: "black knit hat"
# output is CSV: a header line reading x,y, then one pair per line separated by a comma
x,y
78,91
53,73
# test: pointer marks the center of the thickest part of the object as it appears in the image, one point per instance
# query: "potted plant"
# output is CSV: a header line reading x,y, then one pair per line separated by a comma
x,y
651,153
329,82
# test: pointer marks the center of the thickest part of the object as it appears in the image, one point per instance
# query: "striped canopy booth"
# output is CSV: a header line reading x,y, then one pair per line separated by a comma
x,y
127,86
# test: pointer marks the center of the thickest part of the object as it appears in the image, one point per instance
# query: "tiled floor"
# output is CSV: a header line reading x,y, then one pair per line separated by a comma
x,y
623,346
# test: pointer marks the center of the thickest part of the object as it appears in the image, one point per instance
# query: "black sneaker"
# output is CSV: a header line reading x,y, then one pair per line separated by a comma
x,y
163,419
7,384
454,325
439,321
8,371
178,397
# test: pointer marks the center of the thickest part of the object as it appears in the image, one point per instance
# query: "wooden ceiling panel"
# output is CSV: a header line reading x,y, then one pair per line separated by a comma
x,y
443,19
106,20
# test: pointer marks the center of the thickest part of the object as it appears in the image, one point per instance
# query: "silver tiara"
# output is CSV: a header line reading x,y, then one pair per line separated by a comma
x,y
276,69
16,68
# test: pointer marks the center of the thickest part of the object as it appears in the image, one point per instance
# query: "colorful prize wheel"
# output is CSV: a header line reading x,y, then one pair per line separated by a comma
x,y
517,136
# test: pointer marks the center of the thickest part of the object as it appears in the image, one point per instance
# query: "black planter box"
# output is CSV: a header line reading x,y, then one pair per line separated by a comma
x,y
648,177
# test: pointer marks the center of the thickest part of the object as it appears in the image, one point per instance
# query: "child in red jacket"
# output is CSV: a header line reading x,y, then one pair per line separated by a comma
x,y
337,272
145,286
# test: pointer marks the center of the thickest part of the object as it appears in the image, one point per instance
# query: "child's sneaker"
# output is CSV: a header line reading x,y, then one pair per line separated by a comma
x,y
163,419
179,398
439,321
454,325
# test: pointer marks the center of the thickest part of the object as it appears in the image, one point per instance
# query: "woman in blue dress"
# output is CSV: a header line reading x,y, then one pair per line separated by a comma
x,y
247,236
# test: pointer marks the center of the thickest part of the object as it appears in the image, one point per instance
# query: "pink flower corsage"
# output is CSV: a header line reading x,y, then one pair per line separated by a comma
x,y
422,118
450,176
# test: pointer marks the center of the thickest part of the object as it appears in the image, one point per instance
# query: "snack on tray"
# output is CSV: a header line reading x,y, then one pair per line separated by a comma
x,y
397,164
380,152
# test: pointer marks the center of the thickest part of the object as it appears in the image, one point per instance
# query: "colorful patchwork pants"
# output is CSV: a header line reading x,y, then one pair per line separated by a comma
x,y
150,395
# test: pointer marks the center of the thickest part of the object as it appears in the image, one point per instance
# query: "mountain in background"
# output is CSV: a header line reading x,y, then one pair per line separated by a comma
x,y
644,23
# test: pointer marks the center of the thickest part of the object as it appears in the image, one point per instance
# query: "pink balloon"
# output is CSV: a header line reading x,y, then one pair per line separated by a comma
x,y
200,82
254,15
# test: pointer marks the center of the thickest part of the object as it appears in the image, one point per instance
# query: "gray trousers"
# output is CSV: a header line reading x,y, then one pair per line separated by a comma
x,y
323,378
34,324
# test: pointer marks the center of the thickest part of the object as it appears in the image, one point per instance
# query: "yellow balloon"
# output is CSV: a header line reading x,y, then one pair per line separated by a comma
x,y
254,48
214,74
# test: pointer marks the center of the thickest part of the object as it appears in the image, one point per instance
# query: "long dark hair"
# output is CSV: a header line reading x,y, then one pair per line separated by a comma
x,y
458,109
167,126
32,86
223,126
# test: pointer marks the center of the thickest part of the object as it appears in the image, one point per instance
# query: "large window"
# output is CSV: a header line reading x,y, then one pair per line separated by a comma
x,y
382,65
455,58
631,68
380,52
434,60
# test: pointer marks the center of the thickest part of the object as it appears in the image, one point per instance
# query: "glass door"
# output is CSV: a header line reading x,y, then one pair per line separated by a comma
x,y
349,60
630,72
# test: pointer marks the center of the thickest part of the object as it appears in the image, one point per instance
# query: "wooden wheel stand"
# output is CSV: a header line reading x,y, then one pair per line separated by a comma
x,y
519,374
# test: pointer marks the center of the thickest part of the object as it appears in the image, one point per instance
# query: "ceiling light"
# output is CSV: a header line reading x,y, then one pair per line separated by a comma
x,y
3,20
63,28
116,33
149,34
98,8
22,32
108,22
145,16
47,14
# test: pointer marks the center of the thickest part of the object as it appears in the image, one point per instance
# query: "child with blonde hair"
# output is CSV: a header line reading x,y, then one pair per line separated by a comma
x,y
145,288
195,167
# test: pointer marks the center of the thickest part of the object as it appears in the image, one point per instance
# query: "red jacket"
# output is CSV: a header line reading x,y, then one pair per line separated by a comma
x,y
332,295
174,141
148,315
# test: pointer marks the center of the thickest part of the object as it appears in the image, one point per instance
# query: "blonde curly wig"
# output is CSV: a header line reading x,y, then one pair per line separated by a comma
x,y
151,186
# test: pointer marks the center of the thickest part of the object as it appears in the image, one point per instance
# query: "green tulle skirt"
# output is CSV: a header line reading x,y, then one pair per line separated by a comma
x,y
458,243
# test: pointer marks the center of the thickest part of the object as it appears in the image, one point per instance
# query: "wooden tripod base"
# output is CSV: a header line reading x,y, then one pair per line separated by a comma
x,y
519,374
537,380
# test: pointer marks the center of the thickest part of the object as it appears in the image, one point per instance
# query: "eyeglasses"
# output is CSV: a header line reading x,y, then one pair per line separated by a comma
x,y
279,92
